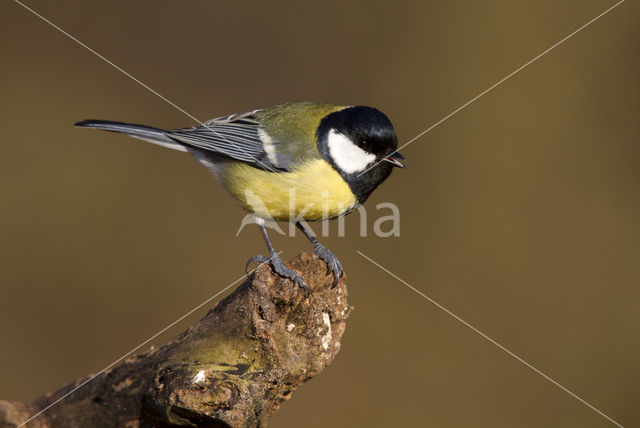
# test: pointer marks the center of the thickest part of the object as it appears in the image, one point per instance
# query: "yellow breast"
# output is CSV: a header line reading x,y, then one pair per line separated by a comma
x,y
314,191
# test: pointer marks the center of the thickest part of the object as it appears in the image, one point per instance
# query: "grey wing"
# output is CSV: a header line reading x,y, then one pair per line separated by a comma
x,y
240,137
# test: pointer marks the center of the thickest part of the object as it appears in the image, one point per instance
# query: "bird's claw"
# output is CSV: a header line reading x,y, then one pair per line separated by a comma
x,y
259,259
280,268
333,264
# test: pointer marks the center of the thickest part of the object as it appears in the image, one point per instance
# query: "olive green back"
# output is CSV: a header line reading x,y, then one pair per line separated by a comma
x,y
293,127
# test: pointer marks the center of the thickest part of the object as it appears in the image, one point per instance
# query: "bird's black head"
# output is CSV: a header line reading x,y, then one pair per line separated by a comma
x,y
360,143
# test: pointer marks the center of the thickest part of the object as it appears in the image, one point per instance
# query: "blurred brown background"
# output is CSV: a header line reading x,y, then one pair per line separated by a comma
x,y
520,213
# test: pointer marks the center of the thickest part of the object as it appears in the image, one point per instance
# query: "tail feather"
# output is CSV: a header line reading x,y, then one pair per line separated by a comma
x,y
142,132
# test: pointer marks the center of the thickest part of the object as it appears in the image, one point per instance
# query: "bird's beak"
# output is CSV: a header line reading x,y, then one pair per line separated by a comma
x,y
394,158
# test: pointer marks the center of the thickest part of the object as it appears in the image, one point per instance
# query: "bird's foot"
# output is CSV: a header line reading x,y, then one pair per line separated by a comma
x,y
333,264
280,268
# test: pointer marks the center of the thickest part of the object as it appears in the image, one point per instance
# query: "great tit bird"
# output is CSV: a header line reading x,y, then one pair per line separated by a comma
x,y
291,162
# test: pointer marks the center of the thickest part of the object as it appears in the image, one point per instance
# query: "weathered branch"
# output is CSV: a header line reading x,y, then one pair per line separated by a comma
x,y
234,367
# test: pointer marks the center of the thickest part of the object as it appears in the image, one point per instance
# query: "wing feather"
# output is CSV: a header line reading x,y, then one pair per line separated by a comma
x,y
277,138
239,137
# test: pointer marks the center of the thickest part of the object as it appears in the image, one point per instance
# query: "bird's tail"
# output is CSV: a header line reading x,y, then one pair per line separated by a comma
x,y
142,132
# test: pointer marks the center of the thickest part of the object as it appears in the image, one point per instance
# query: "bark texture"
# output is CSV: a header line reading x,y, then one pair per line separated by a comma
x,y
233,368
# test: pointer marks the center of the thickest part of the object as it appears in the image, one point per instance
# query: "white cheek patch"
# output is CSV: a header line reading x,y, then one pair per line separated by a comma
x,y
346,155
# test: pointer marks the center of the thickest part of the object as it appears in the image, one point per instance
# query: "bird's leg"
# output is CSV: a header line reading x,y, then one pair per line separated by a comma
x,y
276,262
333,264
